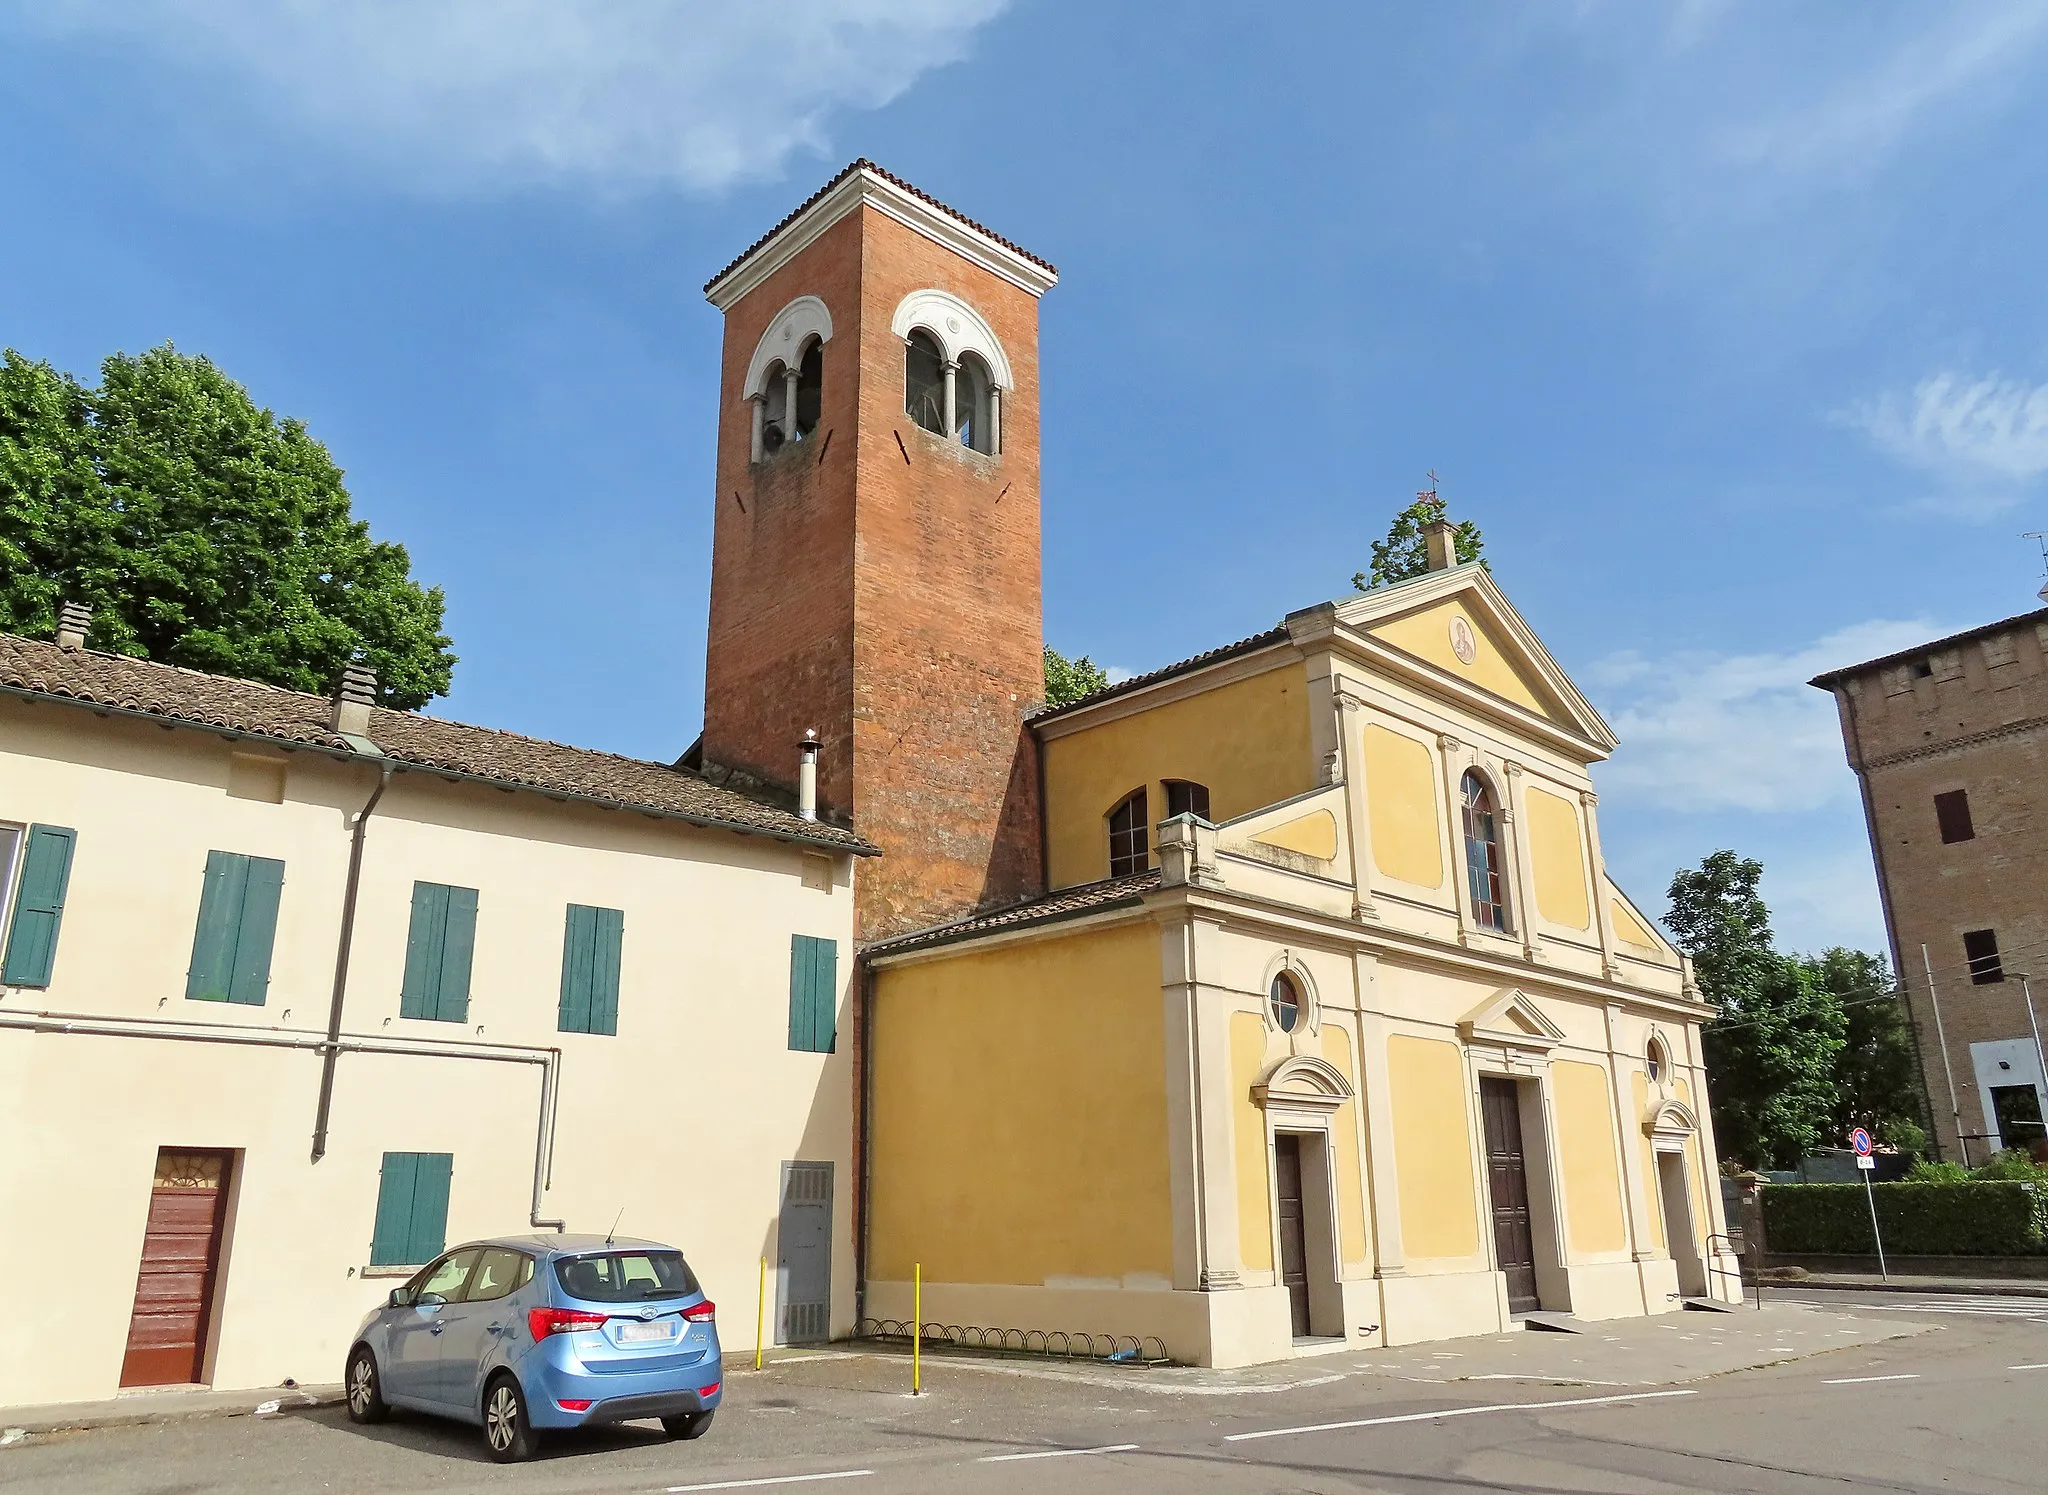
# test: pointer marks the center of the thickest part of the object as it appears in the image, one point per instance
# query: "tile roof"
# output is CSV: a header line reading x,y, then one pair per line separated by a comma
x,y
1068,903
864,164
2036,617
1252,645
169,693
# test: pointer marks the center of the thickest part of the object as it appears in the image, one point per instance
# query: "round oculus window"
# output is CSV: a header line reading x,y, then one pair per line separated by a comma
x,y
1654,1061
1285,1002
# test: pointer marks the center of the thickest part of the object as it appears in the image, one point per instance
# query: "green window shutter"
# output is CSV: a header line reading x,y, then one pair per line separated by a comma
x,y
579,950
438,952
591,940
604,991
813,990
391,1244
38,906
249,978
220,917
421,994
456,953
412,1208
434,1170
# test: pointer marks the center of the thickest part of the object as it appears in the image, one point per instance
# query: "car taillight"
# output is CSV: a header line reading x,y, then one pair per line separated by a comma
x,y
574,1406
703,1313
711,1390
546,1321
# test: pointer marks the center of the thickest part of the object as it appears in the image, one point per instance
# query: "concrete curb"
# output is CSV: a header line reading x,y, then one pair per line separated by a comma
x,y
170,1406
2003,1287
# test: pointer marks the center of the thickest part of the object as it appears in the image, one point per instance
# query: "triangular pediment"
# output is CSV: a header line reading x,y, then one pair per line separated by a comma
x,y
1510,1019
1457,627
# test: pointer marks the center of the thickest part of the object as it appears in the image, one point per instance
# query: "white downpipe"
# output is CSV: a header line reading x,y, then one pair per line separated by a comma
x,y
172,1031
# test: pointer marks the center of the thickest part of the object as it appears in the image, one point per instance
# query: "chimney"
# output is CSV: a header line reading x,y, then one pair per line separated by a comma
x,y
74,622
350,715
1440,536
807,776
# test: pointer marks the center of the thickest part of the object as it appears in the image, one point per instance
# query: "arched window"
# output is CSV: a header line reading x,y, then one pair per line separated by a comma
x,y
1483,855
974,405
1284,1001
1127,822
1186,798
810,389
775,431
924,381
1656,1061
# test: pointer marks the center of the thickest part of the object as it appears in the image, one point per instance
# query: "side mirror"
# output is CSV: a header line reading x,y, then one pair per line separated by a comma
x,y
397,1298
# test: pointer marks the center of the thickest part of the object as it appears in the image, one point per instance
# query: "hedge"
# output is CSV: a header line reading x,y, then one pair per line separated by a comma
x,y
1959,1219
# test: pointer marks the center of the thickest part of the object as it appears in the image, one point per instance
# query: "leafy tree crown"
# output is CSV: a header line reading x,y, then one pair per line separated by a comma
x,y
1067,680
1405,553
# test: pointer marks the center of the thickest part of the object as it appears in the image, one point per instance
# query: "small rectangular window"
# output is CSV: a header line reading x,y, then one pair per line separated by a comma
x,y
813,994
1923,669
1981,946
1952,813
591,944
438,949
1184,798
38,906
412,1208
237,927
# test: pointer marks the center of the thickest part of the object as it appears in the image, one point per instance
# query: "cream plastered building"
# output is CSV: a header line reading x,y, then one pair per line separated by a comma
x,y
299,990
1300,1052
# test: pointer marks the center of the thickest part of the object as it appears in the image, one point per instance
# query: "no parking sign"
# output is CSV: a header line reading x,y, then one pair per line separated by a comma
x,y
1860,1140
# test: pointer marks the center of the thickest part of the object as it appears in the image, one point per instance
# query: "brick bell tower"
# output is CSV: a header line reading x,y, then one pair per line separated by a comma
x,y
875,557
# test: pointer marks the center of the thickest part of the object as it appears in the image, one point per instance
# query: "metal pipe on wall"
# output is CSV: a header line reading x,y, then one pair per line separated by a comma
x,y
169,1030
332,1056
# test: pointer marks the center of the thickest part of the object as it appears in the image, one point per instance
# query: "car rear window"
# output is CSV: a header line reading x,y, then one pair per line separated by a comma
x,y
626,1276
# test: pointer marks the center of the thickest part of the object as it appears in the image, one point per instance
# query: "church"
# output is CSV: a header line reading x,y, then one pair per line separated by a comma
x,y
1273,1002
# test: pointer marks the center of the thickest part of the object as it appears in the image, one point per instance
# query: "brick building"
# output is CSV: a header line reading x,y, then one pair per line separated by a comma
x,y
1949,742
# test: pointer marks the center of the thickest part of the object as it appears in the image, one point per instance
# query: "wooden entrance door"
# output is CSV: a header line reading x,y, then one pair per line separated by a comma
x,y
1507,1180
180,1255
1293,1232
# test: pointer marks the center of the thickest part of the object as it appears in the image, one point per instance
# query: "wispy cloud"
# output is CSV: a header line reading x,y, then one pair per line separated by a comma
x,y
614,94
1961,427
1705,731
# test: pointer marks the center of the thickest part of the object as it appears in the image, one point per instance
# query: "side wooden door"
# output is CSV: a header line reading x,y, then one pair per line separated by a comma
x,y
1507,1183
1293,1231
167,1329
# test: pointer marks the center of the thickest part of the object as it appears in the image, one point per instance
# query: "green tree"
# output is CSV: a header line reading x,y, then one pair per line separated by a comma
x,y
1877,1075
1067,680
1771,1053
1404,554
202,530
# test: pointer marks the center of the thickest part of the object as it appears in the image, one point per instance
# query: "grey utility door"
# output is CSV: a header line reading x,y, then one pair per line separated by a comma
x,y
803,1264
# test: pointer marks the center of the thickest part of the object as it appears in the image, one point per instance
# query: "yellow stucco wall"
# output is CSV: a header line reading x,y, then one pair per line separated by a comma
x,y
1344,1139
1628,927
1557,852
1401,777
1426,633
1247,741
1592,1175
1432,1147
1313,834
1248,1126
1020,1114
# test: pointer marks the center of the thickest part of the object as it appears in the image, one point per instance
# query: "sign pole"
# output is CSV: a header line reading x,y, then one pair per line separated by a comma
x,y
1867,1165
917,1330
760,1312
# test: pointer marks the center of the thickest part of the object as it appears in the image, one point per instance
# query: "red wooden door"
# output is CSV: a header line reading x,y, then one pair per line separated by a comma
x,y
180,1256
1507,1179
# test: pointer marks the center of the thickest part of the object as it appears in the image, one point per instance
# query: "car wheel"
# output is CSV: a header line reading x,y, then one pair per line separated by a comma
x,y
508,1434
689,1425
365,1391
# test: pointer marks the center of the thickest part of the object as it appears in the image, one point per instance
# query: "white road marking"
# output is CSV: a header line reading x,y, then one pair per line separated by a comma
x,y
2027,1367
1981,1310
1866,1380
1552,1380
1056,1453
779,1479
1374,1422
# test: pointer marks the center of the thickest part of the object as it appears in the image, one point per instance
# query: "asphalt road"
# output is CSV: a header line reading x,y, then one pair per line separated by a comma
x,y
1954,1407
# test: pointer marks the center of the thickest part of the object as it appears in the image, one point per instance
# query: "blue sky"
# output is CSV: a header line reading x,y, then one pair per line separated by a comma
x,y
1724,320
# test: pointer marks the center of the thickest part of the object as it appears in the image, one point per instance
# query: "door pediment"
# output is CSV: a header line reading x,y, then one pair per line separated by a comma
x,y
1509,1019
1302,1083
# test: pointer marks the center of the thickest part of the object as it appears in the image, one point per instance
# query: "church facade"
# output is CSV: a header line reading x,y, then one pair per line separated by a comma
x,y
1273,1002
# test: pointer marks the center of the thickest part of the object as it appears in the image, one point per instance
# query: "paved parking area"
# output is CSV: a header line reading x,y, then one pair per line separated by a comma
x,y
1802,1396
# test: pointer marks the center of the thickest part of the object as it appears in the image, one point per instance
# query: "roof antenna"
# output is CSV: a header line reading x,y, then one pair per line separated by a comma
x,y
2040,537
615,1225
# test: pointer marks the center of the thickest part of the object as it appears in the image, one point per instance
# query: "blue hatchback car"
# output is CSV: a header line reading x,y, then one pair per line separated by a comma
x,y
531,1332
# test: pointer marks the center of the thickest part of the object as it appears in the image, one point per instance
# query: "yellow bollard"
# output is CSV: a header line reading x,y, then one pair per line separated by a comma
x,y
760,1312
917,1330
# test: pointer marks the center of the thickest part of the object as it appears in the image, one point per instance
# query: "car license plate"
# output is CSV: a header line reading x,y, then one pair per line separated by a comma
x,y
647,1333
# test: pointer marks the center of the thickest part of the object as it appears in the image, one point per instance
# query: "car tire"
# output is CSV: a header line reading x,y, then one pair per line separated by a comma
x,y
364,1388
508,1433
689,1424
